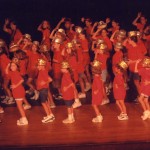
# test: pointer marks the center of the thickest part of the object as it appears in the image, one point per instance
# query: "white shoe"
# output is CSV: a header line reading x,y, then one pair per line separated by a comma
x,y
97,119
146,115
22,121
1,110
105,101
67,121
5,100
48,119
76,104
88,87
52,106
26,107
123,116
82,95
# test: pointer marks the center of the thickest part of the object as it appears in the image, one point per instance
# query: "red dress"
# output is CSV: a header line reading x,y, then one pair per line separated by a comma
x,y
66,81
32,64
119,90
15,78
145,76
97,85
135,53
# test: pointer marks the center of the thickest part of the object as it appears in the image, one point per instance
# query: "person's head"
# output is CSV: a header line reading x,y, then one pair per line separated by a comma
x,y
26,39
41,64
101,48
88,22
133,36
104,33
45,24
67,23
118,46
115,23
14,64
13,25
65,67
35,46
143,20
146,62
96,67
121,67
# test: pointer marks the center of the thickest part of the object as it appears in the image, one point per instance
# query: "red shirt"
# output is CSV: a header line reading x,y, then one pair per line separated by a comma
x,y
15,78
135,53
45,39
117,57
97,85
23,66
145,76
119,90
103,59
42,77
66,81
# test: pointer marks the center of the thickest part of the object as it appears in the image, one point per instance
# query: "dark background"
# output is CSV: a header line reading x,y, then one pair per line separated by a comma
x,y
29,13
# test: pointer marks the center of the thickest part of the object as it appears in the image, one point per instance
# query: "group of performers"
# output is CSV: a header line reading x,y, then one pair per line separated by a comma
x,y
91,55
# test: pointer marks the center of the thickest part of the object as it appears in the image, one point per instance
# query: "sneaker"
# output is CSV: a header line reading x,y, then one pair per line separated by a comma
x,y
26,107
1,110
22,121
88,87
123,117
97,119
48,119
48,116
52,106
5,100
105,101
146,115
76,104
10,101
30,92
36,96
82,95
67,121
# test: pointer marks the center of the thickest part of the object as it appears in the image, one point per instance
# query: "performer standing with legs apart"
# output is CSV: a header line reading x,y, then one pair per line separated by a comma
x,y
68,91
119,89
42,84
18,90
144,72
97,90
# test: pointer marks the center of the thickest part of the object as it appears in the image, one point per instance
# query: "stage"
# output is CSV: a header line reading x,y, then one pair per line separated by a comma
x,y
82,134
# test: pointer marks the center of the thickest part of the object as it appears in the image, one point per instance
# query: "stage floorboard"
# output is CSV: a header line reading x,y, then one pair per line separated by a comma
x,y
82,134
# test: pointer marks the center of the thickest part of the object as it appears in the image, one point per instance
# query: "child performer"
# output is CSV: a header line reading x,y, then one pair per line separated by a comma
x,y
18,90
119,89
68,91
97,90
42,84
144,72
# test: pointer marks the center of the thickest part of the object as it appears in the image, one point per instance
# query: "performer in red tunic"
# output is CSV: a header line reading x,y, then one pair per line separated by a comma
x,y
97,90
13,31
17,89
119,90
44,27
68,91
144,72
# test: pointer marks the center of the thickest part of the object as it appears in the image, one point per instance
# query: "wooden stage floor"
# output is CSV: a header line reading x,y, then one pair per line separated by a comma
x,y
83,134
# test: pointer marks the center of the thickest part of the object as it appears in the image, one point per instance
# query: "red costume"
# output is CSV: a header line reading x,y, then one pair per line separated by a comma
x,y
119,90
15,78
97,90
66,81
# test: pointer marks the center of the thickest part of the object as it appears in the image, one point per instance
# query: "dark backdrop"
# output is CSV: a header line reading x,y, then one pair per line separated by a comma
x,y
30,13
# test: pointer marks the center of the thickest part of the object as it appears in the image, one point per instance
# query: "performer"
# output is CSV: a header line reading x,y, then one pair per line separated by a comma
x,y
42,84
119,90
97,90
144,72
18,90
68,91
12,30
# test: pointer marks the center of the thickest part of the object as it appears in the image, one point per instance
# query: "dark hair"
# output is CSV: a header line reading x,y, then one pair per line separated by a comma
x,y
134,38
